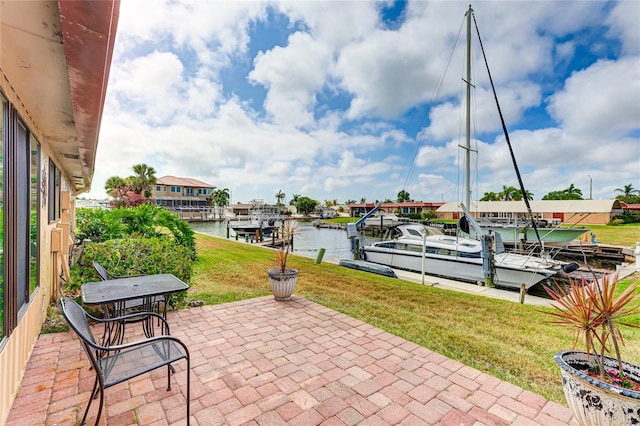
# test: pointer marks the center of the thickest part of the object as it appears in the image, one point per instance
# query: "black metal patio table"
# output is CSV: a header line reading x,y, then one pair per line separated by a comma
x,y
113,296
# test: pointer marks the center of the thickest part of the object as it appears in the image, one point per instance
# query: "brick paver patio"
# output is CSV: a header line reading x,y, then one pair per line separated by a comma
x,y
262,362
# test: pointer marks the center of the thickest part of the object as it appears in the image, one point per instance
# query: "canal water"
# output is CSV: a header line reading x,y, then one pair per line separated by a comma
x,y
307,243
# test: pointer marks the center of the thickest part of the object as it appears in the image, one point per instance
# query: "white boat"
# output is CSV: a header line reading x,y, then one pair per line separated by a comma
x,y
385,220
260,227
461,258
262,220
516,234
456,258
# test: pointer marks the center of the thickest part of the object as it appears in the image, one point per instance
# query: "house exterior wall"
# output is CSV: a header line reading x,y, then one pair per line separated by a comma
x,y
54,68
177,192
405,208
15,349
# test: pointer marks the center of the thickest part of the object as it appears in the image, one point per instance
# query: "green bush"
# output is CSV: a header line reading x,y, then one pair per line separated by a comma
x,y
141,221
135,256
98,225
624,219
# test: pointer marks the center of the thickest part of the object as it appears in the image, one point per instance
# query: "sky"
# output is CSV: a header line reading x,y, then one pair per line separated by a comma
x,y
352,100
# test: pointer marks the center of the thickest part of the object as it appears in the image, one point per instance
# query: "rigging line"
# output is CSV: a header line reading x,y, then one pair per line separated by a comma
x,y
421,137
506,135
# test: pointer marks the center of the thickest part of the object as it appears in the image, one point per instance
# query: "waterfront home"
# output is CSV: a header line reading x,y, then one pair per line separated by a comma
x,y
178,193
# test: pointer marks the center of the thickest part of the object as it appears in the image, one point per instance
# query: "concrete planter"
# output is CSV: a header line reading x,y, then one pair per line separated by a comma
x,y
282,283
595,402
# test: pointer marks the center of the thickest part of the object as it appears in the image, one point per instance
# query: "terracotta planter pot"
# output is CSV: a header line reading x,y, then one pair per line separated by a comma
x,y
595,402
282,283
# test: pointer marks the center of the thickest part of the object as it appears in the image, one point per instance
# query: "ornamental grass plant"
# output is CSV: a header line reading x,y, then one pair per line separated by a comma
x,y
594,311
288,230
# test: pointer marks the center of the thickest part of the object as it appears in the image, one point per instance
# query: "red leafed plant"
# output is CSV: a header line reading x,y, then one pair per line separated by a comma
x,y
595,313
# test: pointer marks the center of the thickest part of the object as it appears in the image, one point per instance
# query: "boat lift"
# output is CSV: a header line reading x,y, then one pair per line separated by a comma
x,y
352,231
490,244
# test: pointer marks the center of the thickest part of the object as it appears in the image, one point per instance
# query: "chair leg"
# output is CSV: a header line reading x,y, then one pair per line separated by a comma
x,y
188,390
169,377
101,404
91,397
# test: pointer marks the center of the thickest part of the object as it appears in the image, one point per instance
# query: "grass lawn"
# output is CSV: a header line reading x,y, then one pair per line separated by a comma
x,y
510,341
622,235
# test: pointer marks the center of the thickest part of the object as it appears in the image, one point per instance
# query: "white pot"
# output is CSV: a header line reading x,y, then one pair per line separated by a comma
x,y
595,402
282,283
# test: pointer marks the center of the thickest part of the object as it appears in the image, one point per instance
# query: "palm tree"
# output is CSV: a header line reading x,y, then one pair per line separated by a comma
x,y
517,196
403,196
572,190
143,180
628,191
113,183
294,200
508,192
490,196
280,196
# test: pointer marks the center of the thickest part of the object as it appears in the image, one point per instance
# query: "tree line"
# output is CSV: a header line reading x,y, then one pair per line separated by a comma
x,y
136,189
628,194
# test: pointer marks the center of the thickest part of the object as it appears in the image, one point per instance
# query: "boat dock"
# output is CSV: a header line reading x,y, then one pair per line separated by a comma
x,y
495,293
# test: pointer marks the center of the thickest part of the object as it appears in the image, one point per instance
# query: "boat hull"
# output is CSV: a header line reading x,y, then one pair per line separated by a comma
x,y
458,268
374,268
514,235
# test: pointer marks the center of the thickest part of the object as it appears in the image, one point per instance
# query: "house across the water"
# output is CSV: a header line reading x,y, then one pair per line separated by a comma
x,y
187,197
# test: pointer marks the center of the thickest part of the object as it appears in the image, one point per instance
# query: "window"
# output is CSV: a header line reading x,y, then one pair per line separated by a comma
x,y
55,179
188,191
34,215
3,105
20,217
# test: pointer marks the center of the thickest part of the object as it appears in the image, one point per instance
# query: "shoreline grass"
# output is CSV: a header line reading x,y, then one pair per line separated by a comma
x,y
507,340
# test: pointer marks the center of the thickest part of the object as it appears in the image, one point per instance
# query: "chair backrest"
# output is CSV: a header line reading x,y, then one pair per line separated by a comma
x,y
104,275
77,319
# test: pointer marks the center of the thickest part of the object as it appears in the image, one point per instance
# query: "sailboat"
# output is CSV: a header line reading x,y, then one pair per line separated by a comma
x,y
422,249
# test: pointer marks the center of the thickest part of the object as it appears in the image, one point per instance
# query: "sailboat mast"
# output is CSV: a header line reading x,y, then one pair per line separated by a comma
x,y
467,155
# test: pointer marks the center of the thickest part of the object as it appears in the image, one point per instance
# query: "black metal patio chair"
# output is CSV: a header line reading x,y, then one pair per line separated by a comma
x,y
118,363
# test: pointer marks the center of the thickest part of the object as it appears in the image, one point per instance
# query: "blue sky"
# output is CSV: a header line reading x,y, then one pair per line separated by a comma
x,y
350,100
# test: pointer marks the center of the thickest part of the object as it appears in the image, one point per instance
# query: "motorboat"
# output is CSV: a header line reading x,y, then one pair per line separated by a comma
x,y
418,248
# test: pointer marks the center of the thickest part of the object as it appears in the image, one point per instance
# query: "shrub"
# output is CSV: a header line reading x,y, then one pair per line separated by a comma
x,y
625,218
142,221
98,225
135,256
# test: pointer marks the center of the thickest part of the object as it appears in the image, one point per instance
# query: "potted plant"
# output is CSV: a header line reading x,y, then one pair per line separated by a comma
x,y
600,389
282,280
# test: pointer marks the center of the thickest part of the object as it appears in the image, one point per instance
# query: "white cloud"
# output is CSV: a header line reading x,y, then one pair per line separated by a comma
x,y
601,101
332,105
292,75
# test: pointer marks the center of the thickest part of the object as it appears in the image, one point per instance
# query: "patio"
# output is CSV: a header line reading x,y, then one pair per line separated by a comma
x,y
264,362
